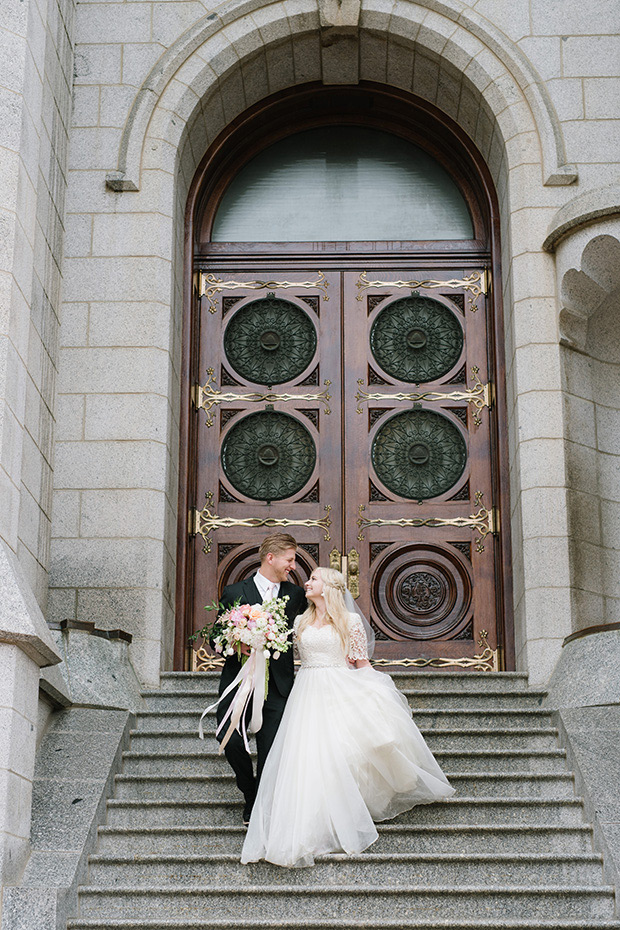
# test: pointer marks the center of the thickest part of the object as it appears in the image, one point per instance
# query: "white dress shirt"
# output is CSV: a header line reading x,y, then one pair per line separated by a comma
x,y
267,589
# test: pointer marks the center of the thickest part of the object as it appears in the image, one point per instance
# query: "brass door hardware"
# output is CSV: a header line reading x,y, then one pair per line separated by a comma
x,y
482,522
210,286
208,397
481,395
203,522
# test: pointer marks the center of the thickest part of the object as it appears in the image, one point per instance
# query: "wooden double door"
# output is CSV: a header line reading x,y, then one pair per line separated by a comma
x,y
356,410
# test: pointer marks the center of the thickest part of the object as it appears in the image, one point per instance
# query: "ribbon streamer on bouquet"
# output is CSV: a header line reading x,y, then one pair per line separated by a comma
x,y
251,687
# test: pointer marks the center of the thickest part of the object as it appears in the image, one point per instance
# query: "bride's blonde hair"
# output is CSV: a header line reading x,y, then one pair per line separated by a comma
x,y
336,612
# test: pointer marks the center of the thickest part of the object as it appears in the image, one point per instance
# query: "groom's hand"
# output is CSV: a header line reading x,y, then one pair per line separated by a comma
x,y
245,649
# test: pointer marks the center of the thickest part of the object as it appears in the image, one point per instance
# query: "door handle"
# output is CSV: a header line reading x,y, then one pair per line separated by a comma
x,y
353,572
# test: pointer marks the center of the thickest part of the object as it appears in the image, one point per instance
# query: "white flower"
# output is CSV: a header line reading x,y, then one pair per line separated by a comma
x,y
230,651
276,655
266,653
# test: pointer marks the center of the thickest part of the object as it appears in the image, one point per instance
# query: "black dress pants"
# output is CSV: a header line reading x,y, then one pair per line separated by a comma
x,y
237,755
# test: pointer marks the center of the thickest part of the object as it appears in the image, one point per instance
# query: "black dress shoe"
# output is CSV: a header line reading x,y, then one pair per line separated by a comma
x,y
247,812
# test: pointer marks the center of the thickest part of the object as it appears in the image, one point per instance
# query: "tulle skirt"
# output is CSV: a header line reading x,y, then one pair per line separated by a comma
x,y
347,753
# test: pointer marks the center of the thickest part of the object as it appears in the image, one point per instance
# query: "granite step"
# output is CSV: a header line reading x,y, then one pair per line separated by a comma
x,y
436,681
478,810
332,871
223,785
495,923
161,742
181,699
359,901
206,760
454,839
186,720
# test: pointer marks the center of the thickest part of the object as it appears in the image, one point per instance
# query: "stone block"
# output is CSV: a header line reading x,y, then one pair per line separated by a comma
x,y
591,56
98,64
609,476
70,417
529,266
280,71
566,19
537,368
170,20
18,682
117,513
512,18
540,415
425,77
66,514
602,98
543,512
98,673
126,416
540,658
584,519
545,53
116,279
15,808
21,621
53,686
534,320
373,58
580,420
340,61
131,234
110,464
61,604
85,110
106,563
306,61
587,674
17,743
138,59
129,324
97,370
400,65
74,325
545,561
607,429
114,23
552,607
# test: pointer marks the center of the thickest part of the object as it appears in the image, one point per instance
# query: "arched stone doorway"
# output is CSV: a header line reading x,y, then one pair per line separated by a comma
x,y
407,332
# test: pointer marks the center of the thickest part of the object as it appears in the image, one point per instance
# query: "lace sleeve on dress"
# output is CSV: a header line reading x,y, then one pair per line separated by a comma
x,y
358,645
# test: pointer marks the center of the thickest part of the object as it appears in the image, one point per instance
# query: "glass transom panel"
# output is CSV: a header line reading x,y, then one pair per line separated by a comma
x,y
342,183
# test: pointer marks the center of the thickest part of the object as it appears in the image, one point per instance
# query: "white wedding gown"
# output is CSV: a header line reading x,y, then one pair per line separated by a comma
x,y
347,753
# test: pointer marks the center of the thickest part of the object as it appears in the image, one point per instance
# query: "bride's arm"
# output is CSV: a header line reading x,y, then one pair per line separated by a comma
x,y
358,646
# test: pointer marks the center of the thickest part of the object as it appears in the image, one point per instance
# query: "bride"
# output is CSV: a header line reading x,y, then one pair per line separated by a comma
x,y
347,752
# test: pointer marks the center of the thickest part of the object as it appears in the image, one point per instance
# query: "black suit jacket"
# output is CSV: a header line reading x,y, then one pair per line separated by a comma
x,y
281,670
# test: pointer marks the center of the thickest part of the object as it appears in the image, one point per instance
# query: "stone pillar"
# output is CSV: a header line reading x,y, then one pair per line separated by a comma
x,y
26,645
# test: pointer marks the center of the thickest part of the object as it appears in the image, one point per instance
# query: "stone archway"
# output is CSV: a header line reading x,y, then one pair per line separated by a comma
x,y
443,52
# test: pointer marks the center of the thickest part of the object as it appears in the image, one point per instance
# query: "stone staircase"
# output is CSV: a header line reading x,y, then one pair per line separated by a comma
x,y
510,851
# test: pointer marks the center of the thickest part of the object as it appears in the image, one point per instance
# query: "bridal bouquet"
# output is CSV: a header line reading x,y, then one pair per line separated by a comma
x,y
262,627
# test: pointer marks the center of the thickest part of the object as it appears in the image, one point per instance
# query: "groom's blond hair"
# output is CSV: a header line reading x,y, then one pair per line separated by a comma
x,y
276,543
335,608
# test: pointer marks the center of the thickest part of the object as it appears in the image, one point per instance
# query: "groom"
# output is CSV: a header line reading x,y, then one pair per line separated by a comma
x,y
277,559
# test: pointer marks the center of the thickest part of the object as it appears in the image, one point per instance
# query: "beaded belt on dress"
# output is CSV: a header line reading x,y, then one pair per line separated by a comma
x,y
325,665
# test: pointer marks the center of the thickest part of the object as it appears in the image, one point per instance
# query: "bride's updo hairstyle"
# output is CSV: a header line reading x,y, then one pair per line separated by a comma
x,y
336,611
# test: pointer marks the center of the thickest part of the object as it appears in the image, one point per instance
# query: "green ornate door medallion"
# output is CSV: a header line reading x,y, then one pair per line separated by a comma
x,y
268,456
416,339
270,341
419,454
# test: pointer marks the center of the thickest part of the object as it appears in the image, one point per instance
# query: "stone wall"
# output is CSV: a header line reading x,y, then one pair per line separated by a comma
x,y
155,83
